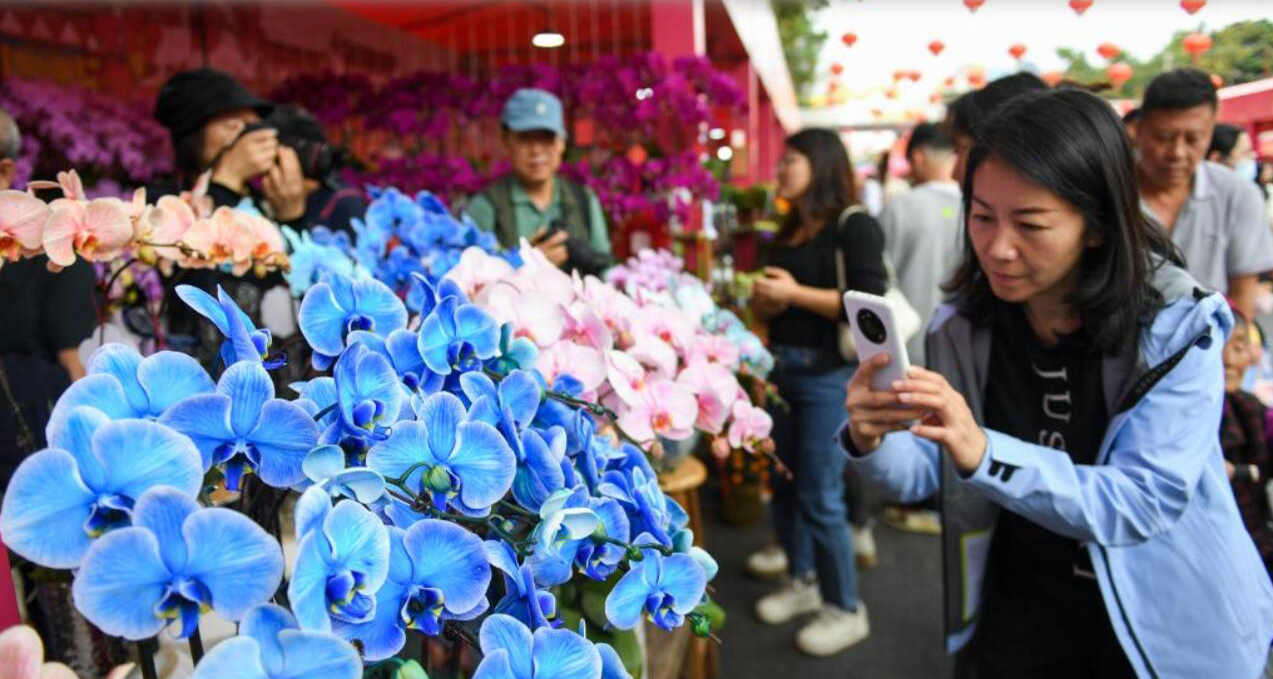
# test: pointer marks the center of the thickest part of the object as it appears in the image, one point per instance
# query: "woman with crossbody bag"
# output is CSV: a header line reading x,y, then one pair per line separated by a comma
x,y
799,298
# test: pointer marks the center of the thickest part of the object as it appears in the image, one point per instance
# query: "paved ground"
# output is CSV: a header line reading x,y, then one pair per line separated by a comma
x,y
902,593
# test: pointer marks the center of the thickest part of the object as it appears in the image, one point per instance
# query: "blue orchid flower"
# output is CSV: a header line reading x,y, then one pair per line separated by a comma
x,y
318,398
123,385
270,645
511,651
459,462
611,664
369,398
515,353
400,348
667,588
515,398
325,466
342,561
457,335
87,482
592,553
391,212
523,597
176,561
427,295
649,509
315,253
437,572
243,341
576,422
540,466
338,305
566,520
242,428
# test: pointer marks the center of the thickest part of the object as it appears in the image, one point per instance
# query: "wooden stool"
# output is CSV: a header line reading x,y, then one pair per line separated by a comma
x,y
681,483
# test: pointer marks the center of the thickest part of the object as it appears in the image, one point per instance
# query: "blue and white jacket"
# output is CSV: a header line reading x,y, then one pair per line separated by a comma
x,y
1182,582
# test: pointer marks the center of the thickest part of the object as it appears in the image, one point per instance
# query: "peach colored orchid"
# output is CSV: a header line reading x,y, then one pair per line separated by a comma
x,y
477,271
97,230
22,219
533,316
221,238
582,363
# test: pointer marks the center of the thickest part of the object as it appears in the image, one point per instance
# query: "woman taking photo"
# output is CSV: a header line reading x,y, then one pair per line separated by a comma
x,y
1070,424
800,299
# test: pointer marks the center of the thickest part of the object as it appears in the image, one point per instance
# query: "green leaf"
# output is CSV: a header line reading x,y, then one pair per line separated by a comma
x,y
411,670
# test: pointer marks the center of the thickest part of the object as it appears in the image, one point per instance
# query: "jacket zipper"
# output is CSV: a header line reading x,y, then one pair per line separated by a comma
x,y
1138,391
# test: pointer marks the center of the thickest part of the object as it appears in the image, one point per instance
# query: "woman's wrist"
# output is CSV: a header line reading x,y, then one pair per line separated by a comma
x,y
228,180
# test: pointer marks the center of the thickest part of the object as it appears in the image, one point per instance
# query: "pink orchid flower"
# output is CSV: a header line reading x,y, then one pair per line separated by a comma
x,y
751,426
656,355
540,275
22,219
533,316
626,377
220,239
669,325
716,390
714,349
69,182
22,657
666,409
584,325
582,363
477,271
97,230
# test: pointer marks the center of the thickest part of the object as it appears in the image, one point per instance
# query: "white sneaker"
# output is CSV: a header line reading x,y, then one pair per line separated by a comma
x,y
864,546
833,630
797,597
768,564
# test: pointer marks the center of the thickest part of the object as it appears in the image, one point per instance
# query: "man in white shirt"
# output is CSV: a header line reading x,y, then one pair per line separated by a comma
x,y
921,227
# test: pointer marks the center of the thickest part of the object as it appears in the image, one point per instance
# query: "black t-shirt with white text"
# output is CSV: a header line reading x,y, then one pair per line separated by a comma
x,y
1042,614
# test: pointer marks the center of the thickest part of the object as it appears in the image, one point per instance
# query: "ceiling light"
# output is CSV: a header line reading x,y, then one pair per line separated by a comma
x,y
717,133
548,39
725,153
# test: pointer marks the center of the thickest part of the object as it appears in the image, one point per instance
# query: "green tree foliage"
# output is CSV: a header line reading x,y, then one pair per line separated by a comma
x,y
801,40
1240,52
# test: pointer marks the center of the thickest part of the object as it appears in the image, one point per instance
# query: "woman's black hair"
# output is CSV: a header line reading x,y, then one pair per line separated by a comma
x,y
1223,139
831,188
188,151
968,111
1071,143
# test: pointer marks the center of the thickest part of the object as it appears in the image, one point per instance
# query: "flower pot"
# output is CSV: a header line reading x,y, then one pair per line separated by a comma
x,y
743,505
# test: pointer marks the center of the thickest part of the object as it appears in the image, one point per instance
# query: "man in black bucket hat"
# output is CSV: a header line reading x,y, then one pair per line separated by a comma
x,y
215,124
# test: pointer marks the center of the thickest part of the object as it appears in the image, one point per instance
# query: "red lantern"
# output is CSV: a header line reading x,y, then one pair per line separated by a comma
x,y
849,39
974,5
949,82
1017,51
1197,43
1217,80
891,93
1080,6
1109,50
1119,73
934,98
898,75
1052,78
914,76
837,69
936,47
977,79
1192,6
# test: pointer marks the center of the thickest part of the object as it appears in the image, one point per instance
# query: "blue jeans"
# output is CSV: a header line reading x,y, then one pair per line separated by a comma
x,y
809,510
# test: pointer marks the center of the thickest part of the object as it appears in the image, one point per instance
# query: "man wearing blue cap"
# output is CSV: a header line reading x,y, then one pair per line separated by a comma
x,y
560,217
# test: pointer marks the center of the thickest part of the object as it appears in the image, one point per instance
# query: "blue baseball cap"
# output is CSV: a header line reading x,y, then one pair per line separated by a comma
x,y
531,109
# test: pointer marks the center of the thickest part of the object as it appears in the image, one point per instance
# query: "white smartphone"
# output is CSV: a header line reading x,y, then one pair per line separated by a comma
x,y
875,332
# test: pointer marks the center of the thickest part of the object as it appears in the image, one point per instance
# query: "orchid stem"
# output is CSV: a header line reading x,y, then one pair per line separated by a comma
x,y
323,413
517,510
146,658
196,646
665,551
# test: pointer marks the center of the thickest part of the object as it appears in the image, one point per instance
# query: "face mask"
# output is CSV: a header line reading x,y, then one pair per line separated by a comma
x,y
1247,169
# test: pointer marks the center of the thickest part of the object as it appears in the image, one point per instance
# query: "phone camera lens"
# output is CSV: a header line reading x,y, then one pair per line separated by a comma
x,y
871,326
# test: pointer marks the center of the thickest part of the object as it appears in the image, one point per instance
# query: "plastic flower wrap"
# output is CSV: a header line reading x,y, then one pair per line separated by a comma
x,y
433,457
